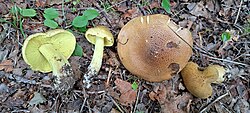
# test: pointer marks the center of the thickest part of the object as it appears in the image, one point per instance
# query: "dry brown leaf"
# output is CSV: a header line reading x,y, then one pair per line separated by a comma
x,y
169,105
6,65
198,9
128,95
40,3
154,4
132,13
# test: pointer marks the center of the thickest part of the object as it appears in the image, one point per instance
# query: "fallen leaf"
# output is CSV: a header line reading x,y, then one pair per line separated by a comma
x,y
6,65
128,95
37,99
132,13
198,9
154,5
169,102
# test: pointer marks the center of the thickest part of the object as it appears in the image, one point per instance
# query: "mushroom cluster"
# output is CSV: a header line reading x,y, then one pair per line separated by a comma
x,y
48,52
154,48
199,82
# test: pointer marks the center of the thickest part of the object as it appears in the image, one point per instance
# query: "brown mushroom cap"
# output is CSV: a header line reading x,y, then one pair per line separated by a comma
x,y
150,48
199,82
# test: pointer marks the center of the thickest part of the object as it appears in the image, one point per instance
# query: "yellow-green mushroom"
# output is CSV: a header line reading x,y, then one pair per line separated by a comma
x,y
100,36
46,52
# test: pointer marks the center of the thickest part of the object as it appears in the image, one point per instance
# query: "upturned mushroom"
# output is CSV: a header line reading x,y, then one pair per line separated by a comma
x,y
153,47
46,52
100,36
199,82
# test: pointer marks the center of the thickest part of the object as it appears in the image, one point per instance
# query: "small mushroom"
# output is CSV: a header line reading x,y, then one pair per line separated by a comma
x,y
46,52
199,82
100,36
153,47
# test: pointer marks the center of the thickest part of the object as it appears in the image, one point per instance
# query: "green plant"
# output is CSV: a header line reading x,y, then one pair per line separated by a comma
x,y
106,6
80,22
225,36
18,14
166,5
28,12
50,14
78,50
134,86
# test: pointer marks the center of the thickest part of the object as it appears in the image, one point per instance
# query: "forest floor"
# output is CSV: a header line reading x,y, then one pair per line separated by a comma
x,y
23,90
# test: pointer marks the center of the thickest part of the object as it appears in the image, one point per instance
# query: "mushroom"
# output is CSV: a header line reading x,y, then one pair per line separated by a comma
x,y
199,82
46,52
100,36
153,47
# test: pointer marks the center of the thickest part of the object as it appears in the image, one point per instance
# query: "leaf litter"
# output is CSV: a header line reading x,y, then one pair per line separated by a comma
x,y
206,19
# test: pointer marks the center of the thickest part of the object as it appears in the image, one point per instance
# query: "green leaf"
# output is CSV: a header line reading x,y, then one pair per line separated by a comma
x,y
134,85
78,51
81,29
50,13
50,23
225,36
91,14
166,5
15,9
28,12
80,21
74,2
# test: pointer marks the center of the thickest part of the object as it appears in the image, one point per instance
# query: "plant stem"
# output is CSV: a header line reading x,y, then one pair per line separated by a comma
x,y
96,61
55,59
60,67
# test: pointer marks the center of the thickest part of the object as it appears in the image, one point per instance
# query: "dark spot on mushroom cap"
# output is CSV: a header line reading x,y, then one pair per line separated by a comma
x,y
172,45
174,67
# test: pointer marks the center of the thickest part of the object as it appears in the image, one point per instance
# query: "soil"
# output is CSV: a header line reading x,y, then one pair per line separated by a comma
x,y
23,90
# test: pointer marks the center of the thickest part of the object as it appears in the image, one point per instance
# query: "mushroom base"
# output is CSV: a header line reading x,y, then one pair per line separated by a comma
x,y
66,81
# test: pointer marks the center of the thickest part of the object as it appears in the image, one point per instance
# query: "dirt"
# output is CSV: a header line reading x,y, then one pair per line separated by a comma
x,y
23,90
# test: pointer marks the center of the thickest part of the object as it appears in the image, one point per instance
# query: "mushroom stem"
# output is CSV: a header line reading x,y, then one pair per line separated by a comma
x,y
60,67
96,61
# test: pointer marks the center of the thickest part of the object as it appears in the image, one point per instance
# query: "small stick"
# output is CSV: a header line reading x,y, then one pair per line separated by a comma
x,y
137,98
119,108
83,104
225,60
217,99
109,75
238,12
105,14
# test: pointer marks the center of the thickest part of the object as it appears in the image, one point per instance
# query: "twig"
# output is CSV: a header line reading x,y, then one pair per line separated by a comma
x,y
137,98
81,110
96,92
238,12
54,105
119,108
109,75
63,12
225,60
217,99
104,13
21,111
